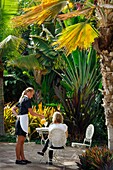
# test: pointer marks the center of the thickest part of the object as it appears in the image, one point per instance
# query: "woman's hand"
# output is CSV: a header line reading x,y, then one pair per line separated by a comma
x,y
35,114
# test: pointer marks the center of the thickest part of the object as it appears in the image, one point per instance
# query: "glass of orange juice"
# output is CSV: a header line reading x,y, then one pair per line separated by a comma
x,y
44,122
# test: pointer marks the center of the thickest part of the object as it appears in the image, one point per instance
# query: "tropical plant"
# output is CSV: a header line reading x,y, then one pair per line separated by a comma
x,y
80,79
40,63
9,119
96,158
97,13
7,11
101,12
34,122
15,81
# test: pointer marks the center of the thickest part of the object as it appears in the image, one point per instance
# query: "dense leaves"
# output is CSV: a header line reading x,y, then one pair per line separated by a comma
x,y
95,159
78,90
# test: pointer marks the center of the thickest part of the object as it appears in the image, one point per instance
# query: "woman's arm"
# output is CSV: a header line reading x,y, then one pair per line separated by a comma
x,y
66,134
14,109
35,114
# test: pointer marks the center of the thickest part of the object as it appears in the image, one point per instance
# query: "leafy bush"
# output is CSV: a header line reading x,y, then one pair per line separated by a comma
x,y
7,138
96,158
9,119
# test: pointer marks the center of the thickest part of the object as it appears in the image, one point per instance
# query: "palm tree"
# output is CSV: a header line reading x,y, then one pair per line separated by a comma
x,y
103,12
97,13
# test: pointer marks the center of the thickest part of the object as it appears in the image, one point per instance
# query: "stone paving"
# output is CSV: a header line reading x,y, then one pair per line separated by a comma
x,y
7,158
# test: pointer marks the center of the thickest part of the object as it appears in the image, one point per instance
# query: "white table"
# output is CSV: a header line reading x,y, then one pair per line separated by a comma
x,y
42,131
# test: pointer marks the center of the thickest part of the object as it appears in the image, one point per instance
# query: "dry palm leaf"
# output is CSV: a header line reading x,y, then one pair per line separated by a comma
x,y
40,13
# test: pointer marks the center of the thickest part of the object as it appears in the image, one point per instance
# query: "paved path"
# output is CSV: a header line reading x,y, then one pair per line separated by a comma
x,y
7,158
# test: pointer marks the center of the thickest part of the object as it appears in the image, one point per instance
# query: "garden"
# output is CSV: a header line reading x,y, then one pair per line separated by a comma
x,y
64,50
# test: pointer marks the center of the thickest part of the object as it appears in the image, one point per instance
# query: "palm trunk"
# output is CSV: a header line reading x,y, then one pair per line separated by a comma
x,y
2,131
107,80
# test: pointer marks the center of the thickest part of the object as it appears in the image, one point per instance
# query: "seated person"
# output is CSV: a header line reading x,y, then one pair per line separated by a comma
x,y
57,122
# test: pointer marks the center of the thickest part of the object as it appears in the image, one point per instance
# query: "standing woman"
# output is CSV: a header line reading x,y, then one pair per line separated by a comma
x,y
21,126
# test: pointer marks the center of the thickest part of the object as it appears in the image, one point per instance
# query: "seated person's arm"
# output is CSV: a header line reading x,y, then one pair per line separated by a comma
x,y
66,134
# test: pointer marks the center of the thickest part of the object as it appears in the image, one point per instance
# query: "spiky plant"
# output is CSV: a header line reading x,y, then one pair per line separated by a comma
x,y
79,80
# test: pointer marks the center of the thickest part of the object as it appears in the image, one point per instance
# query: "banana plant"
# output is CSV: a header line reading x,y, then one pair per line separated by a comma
x,y
80,79
40,61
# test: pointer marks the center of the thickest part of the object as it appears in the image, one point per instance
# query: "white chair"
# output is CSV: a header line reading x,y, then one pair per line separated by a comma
x,y
58,140
88,138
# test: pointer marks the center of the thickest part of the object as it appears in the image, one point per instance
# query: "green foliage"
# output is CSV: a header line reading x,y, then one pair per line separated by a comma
x,y
8,138
100,135
47,89
15,81
96,158
78,91
39,57
9,119
7,10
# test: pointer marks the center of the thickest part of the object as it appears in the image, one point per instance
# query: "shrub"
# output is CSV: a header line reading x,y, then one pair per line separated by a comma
x,y
96,158
9,119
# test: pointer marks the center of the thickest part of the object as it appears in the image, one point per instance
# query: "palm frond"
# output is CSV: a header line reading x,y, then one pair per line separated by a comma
x,y
14,42
9,7
86,12
40,13
80,35
29,62
7,10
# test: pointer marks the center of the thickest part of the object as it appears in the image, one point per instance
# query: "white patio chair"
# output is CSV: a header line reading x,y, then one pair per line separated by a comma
x,y
57,143
88,138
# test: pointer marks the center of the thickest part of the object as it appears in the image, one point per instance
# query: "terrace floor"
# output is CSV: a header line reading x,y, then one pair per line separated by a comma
x,y
7,158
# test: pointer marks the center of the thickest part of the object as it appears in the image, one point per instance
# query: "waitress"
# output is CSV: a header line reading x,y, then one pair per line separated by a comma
x,y
21,126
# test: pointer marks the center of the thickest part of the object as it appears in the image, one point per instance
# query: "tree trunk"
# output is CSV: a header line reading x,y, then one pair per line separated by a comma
x,y
2,131
106,63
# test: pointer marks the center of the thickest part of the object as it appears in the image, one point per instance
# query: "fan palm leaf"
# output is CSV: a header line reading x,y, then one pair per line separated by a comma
x,y
40,13
76,36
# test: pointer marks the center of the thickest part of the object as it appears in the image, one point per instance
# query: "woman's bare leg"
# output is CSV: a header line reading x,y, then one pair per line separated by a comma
x,y
20,148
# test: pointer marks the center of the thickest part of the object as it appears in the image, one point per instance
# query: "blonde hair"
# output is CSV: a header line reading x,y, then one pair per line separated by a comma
x,y
28,89
57,117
